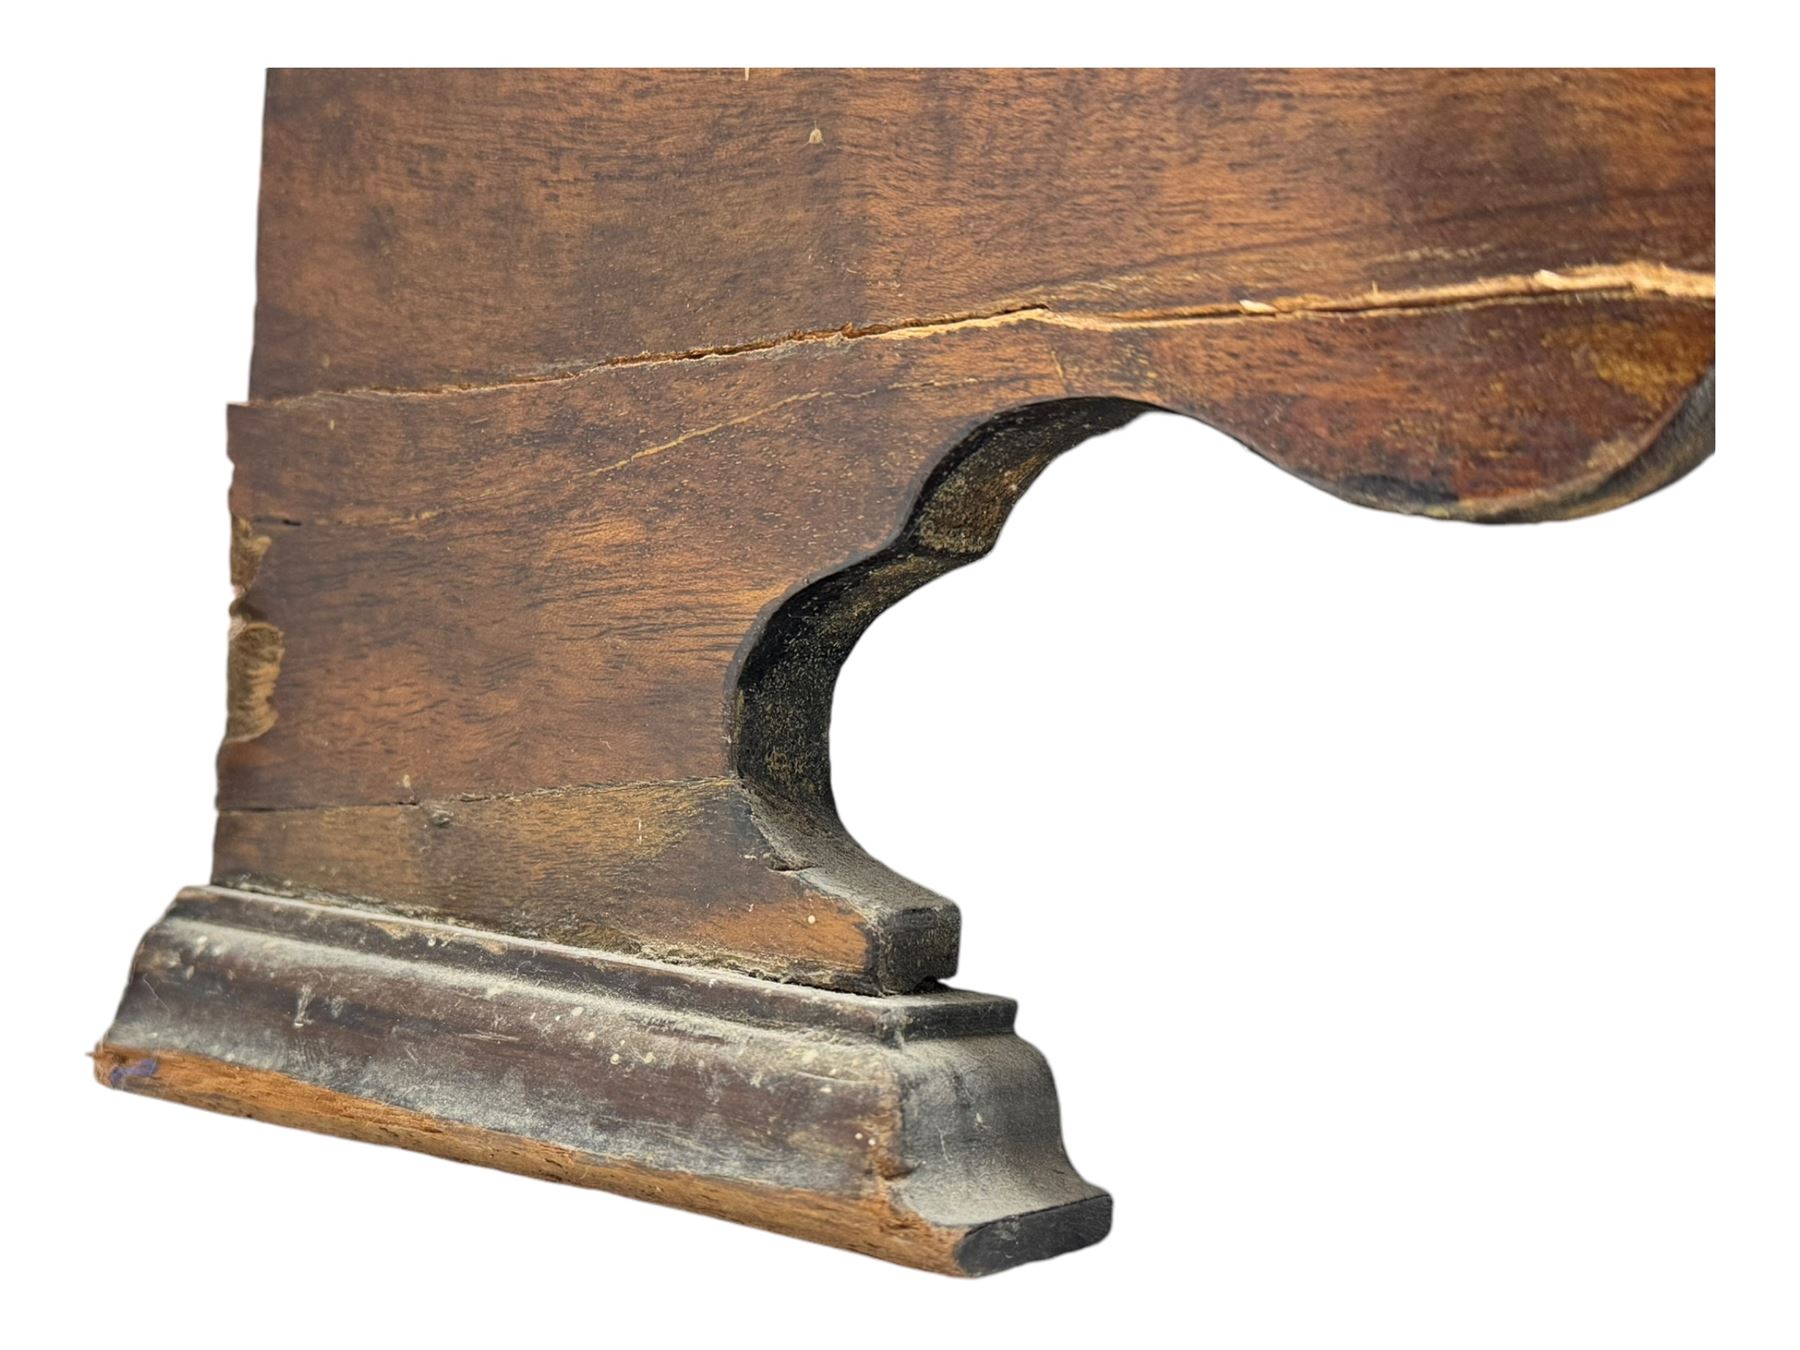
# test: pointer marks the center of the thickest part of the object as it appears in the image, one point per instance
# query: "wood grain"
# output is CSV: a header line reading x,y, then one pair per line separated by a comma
x,y
431,228
594,416
920,1129
575,391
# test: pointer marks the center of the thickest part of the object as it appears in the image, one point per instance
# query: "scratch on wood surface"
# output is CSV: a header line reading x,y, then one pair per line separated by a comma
x,y
1635,279
699,432
474,798
476,500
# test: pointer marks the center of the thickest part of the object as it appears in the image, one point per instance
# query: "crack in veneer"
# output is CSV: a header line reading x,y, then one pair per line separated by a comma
x,y
1629,280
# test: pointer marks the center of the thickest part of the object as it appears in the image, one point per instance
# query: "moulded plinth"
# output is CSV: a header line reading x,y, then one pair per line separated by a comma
x,y
919,1129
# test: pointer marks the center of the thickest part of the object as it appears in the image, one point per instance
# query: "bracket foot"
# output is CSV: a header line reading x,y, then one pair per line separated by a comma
x,y
918,1129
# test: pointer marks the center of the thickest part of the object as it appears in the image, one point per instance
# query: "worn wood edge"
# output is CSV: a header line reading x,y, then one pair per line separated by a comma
x,y
750,907
872,1227
1684,440
784,676
868,1227
693,990
301,1015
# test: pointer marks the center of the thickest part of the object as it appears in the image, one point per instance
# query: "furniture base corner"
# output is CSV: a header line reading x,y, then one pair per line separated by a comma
x,y
915,1128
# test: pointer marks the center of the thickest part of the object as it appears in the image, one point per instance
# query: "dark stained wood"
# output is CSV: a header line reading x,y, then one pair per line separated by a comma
x,y
915,1129
595,415
521,610
677,871
430,228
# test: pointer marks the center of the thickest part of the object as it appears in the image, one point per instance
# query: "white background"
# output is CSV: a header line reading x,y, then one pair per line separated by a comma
x,y
1406,908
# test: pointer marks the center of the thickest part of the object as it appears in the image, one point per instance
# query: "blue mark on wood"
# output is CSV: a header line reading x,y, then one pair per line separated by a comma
x,y
144,1068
